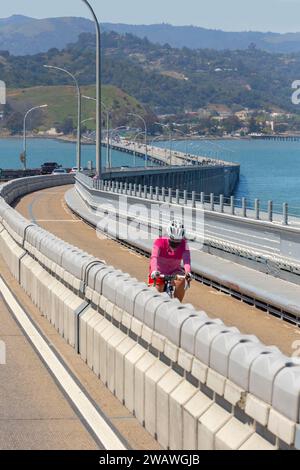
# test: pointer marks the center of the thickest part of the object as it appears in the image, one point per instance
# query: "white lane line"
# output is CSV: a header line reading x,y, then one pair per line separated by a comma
x,y
87,410
62,221
67,210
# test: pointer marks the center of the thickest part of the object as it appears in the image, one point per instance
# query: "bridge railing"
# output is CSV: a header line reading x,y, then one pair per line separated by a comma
x,y
240,207
193,382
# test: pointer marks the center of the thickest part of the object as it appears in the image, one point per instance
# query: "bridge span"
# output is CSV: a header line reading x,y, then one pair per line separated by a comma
x,y
212,386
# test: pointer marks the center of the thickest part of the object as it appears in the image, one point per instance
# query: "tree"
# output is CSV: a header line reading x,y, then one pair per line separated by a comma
x,y
14,122
253,126
67,127
232,124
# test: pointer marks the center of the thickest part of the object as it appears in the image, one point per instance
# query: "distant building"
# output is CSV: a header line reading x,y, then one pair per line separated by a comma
x,y
242,115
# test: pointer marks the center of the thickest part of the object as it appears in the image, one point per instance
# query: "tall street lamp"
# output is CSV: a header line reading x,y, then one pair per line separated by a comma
x,y
146,135
25,133
169,128
107,111
134,143
112,134
186,142
52,67
158,137
98,91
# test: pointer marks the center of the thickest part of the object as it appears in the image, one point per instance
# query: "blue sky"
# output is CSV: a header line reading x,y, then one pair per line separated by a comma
x,y
231,15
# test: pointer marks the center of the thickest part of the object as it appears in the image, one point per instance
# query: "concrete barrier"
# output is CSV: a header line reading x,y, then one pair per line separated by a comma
x,y
191,381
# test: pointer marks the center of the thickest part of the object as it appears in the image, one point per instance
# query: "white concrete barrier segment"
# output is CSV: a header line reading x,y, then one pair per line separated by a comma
x,y
209,425
178,398
112,345
233,435
131,359
152,378
121,351
141,367
192,411
165,387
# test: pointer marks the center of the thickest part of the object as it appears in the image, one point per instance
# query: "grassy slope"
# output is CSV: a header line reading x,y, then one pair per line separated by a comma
x,y
62,103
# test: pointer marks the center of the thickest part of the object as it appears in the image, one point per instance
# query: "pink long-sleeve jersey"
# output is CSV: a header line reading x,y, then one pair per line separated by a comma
x,y
168,261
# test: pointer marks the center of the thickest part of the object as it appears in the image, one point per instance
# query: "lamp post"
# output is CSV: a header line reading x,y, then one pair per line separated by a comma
x,y
112,133
25,134
86,120
134,144
186,142
107,111
146,135
154,140
170,136
98,92
52,67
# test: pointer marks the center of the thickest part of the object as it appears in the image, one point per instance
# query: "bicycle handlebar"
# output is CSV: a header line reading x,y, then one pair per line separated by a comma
x,y
174,277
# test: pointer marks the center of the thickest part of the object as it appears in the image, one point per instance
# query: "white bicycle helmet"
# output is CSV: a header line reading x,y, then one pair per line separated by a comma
x,y
176,231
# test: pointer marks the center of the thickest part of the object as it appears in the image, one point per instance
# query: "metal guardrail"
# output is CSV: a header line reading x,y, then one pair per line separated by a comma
x,y
242,208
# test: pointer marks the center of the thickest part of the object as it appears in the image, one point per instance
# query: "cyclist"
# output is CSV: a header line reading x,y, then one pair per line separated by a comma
x,y
168,254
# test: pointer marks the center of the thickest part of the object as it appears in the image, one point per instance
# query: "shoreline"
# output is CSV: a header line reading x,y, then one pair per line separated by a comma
x,y
70,140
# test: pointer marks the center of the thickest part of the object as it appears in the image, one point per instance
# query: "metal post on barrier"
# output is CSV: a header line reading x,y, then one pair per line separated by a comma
x,y
202,198
185,197
193,199
113,186
170,198
117,186
177,196
163,193
232,205
130,189
140,191
257,208
157,193
105,185
285,209
125,189
134,189
145,191
121,187
221,203
270,211
212,201
244,207
151,192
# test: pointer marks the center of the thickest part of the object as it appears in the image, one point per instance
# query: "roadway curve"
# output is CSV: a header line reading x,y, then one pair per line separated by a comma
x,y
48,209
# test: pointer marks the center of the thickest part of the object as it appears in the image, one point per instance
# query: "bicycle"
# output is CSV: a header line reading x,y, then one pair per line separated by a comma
x,y
170,283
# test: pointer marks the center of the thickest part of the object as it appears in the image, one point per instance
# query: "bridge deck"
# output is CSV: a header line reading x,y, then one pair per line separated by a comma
x,y
49,210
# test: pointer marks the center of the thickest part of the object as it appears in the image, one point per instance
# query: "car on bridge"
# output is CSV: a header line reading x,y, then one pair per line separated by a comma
x,y
75,169
48,167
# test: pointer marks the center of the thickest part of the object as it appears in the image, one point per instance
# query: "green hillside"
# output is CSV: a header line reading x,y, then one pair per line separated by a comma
x,y
62,103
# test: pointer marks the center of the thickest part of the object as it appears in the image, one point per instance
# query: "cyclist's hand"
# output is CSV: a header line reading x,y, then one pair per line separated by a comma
x,y
155,274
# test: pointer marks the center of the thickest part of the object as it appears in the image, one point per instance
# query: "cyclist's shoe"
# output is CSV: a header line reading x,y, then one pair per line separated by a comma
x,y
189,277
